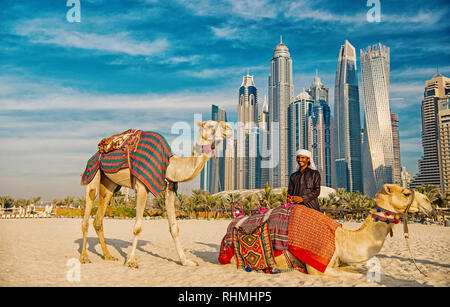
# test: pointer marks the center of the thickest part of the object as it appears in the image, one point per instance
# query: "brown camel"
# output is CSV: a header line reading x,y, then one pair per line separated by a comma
x,y
180,169
358,246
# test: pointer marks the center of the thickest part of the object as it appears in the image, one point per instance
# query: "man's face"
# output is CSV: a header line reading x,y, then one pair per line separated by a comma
x,y
302,161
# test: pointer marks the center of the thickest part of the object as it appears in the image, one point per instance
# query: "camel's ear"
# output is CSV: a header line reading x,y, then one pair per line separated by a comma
x,y
200,124
386,189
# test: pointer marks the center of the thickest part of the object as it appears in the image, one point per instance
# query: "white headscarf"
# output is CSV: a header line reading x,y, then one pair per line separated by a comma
x,y
307,153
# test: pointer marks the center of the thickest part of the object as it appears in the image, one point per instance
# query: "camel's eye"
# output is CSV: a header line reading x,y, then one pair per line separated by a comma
x,y
407,193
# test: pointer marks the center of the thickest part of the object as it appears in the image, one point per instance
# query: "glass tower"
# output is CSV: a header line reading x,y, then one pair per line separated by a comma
x,y
347,123
378,143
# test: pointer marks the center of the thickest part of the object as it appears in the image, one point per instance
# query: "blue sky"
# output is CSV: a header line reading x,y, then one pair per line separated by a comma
x,y
148,64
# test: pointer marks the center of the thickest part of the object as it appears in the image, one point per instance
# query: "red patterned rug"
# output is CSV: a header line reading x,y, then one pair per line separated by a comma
x,y
311,237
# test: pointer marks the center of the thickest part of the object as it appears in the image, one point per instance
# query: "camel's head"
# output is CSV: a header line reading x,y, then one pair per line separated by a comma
x,y
211,132
395,198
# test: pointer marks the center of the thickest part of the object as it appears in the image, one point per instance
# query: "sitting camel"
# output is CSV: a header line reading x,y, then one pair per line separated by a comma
x,y
180,169
358,246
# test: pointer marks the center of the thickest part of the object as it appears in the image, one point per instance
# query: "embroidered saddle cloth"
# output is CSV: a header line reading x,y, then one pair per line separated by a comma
x,y
115,141
311,237
253,249
146,153
278,221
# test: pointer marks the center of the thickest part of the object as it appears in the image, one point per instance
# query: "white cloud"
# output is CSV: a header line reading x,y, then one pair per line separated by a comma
x,y
51,31
226,32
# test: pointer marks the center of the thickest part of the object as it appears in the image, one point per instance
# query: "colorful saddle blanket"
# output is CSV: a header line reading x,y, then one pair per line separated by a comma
x,y
278,221
149,157
312,236
253,249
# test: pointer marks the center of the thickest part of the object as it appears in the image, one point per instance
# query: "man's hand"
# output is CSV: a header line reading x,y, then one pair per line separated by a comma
x,y
297,199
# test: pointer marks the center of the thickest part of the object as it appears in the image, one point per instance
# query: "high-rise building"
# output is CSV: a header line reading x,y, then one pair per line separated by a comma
x,y
396,146
298,134
444,142
214,171
281,93
318,128
247,137
230,165
264,153
378,147
318,139
347,123
318,91
405,178
436,89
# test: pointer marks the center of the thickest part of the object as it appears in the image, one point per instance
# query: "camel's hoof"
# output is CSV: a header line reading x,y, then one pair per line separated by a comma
x,y
84,259
132,263
110,258
189,263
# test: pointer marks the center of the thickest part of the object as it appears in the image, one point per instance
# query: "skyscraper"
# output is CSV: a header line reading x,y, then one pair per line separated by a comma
x,y
396,146
318,91
298,134
318,130
263,121
216,165
281,93
444,142
436,90
347,123
318,140
378,147
247,136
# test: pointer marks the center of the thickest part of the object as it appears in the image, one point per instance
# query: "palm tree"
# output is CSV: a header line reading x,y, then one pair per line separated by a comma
x,y
182,202
432,192
6,201
199,199
250,202
269,196
68,201
159,203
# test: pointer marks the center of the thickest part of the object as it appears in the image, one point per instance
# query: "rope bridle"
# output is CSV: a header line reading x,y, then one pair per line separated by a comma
x,y
404,217
406,232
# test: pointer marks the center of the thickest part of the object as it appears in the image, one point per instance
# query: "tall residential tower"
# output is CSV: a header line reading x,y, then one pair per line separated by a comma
x,y
281,93
437,90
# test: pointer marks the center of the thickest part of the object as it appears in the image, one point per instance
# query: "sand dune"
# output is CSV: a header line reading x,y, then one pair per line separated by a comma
x,y
44,252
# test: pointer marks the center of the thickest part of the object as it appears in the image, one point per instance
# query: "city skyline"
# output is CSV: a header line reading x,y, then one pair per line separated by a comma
x,y
150,64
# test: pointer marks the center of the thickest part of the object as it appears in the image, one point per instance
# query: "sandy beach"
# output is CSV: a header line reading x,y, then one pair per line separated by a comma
x,y
41,252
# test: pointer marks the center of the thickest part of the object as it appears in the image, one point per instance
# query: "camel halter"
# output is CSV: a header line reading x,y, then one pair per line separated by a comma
x,y
406,232
395,220
206,149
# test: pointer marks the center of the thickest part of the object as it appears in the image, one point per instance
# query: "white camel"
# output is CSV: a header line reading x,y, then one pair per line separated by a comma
x,y
358,246
180,169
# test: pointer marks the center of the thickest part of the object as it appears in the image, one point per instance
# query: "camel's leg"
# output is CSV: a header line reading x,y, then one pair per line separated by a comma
x,y
141,199
107,188
173,227
92,189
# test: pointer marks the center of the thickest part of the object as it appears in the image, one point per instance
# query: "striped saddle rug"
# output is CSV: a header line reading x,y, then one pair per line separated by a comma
x,y
147,157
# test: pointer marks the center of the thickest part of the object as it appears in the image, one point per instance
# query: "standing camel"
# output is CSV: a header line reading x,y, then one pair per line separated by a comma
x,y
180,169
358,246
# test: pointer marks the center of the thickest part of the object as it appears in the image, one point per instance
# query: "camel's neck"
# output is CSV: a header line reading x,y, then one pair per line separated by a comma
x,y
362,244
